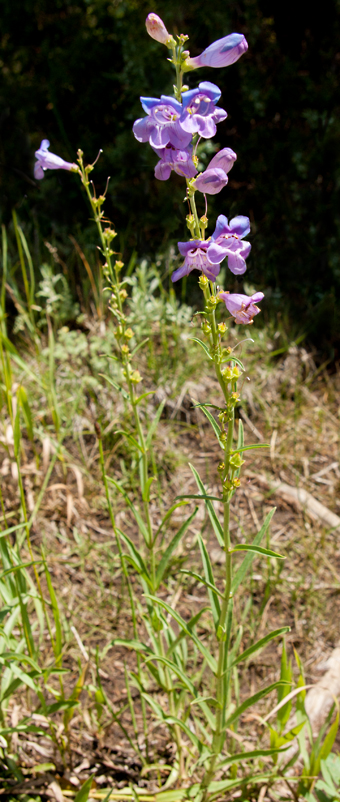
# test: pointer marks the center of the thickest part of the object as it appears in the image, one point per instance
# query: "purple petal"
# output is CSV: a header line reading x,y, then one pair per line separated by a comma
x,y
236,263
205,126
217,251
219,115
149,103
257,297
171,101
221,53
185,247
159,136
211,181
222,227
183,164
240,225
142,129
162,171
211,271
182,271
211,90
187,97
224,160
178,137
38,171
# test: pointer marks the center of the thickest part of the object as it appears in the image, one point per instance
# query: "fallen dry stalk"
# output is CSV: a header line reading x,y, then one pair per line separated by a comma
x,y
300,498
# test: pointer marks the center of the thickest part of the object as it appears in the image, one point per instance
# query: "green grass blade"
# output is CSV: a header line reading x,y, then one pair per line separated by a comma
x,y
276,633
209,576
180,621
245,565
211,512
257,550
252,701
171,548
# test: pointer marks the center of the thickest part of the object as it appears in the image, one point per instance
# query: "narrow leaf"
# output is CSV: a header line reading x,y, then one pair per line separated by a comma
x,y
84,791
212,421
245,565
209,576
131,439
154,424
203,345
252,701
259,645
211,512
171,547
257,550
204,651
203,581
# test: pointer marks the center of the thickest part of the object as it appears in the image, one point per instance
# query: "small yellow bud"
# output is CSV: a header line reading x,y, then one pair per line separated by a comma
x,y
236,373
125,350
122,294
222,328
128,333
236,482
119,265
236,461
206,327
136,377
203,281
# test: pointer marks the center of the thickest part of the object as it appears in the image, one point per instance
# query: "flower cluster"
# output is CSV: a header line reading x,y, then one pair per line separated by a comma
x,y
173,126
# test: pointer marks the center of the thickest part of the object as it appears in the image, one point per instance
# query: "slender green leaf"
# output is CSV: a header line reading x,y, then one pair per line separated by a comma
x,y
84,791
133,509
135,645
135,553
190,624
203,345
171,548
211,512
201,497
131,439
154,424
12,529
259,645
252,701
168,515
184,626
203,581
146,491
257,550
212,422
209,577
240,436
245,565
144,395
55,611
248,448
240,756
140,345
115,385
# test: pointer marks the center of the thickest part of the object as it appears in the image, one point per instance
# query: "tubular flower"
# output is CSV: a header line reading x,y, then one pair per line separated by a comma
x,y
172,159
199,110
226,241
49,161
221,53
156,29
162,125
242,307
196,258
215,176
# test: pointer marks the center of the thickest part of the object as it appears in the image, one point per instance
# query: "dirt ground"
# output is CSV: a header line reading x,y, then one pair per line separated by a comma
x,y
296,410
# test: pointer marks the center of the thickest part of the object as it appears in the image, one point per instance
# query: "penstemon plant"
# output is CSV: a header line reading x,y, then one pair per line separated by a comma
x,y
200,681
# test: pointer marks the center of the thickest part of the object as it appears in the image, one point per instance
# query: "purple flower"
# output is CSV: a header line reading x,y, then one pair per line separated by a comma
x,y
215,176
172,159
199,110
156,29
49,161
221,53
211,181
226,241
242,307
162,125
196,258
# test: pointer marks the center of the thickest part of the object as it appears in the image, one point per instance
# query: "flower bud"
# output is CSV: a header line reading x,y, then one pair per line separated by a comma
x,y
203,282
156,29
136,377
222,328
118,265
125,350
128,334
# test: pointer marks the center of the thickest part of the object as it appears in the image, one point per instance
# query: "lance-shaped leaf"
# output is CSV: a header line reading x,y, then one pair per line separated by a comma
x,y
190,625
136,514
240,756
135,645
131,439
115,385
259,645
211,512
171,548
203,581
180,621
154,424
257,550
212,422
209,576
252,701
245,565
203,345
136,556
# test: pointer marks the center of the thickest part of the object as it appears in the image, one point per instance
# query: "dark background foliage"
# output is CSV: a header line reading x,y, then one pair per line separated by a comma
x,y
73,72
